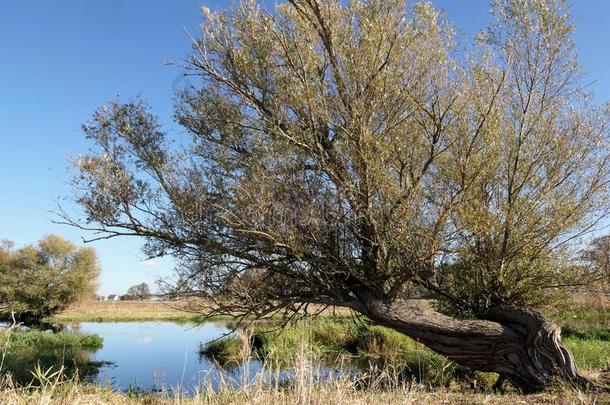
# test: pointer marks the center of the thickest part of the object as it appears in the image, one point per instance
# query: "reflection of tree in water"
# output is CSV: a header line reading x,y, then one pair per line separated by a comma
x,y
19,363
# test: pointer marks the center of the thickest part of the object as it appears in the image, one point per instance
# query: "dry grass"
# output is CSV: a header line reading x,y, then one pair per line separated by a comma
x,y
108,311
126,311
583,309
91,395
304,391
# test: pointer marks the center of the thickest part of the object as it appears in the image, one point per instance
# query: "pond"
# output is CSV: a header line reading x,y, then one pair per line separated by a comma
x,y
147,356
157,355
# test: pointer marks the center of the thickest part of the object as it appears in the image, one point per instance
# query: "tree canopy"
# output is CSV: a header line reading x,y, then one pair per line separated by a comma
x,y
37,281
341,153
336,147
139,291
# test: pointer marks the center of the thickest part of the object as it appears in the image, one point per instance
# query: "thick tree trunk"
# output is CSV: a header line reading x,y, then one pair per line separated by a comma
x,y
519,344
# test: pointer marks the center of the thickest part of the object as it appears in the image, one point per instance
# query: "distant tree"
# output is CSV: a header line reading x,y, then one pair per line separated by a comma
x,y
345,153
140,292
37,281
597,259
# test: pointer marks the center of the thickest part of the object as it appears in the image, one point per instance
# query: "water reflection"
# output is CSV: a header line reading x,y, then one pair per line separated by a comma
x,y
22,362
160,355
149,356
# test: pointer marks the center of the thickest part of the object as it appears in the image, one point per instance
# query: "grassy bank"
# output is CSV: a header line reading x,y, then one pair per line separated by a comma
x,y
395,369
22,354
34,339
337,341
342,342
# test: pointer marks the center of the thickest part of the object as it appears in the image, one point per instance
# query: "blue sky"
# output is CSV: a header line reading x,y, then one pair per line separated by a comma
x,y
61,59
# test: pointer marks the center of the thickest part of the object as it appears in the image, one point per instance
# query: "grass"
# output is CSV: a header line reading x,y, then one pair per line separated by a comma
x,y
84,395
590,354
345,342
583,312
395,368
585,323
52,388
127,311
133,311
334,340
34,339
21,353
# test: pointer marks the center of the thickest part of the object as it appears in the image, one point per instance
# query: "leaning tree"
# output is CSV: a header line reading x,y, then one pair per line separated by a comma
x,y
347,154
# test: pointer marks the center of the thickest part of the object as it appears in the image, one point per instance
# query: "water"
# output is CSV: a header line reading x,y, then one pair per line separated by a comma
x,y
159,355
150,356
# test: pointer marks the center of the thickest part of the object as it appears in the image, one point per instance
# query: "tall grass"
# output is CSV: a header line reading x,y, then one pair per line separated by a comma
x,y
341,344
23,352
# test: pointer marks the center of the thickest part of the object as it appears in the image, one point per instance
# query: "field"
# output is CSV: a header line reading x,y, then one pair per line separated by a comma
x,y
133,311
127,311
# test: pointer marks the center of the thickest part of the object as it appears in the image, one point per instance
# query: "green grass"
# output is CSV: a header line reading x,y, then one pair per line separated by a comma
x,y
45,340
590,354
334,339
578,320
226,351
24,352
367,345
593,332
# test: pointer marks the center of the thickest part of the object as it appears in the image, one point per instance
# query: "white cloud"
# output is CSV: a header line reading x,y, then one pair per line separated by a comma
x,y
143,340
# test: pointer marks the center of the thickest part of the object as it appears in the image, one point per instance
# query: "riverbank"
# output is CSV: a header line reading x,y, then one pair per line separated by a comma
x,y
347,342
45,340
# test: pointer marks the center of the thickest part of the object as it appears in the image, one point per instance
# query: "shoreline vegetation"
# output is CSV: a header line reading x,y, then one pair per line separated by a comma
x,y
400,370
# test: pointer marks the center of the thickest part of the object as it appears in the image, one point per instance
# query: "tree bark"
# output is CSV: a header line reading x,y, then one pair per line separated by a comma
x,y
520,345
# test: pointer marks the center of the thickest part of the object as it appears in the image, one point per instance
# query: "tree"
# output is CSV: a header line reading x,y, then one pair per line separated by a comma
x,y
340,154
39,281
596,259
139,291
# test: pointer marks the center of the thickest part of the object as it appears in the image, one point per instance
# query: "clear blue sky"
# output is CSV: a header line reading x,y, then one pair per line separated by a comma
x,y
62,59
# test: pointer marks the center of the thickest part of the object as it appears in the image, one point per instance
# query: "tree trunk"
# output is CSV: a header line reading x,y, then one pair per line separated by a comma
x,y
519,344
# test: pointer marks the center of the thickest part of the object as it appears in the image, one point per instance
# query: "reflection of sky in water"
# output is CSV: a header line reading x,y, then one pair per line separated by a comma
x,y
156,355
152,355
